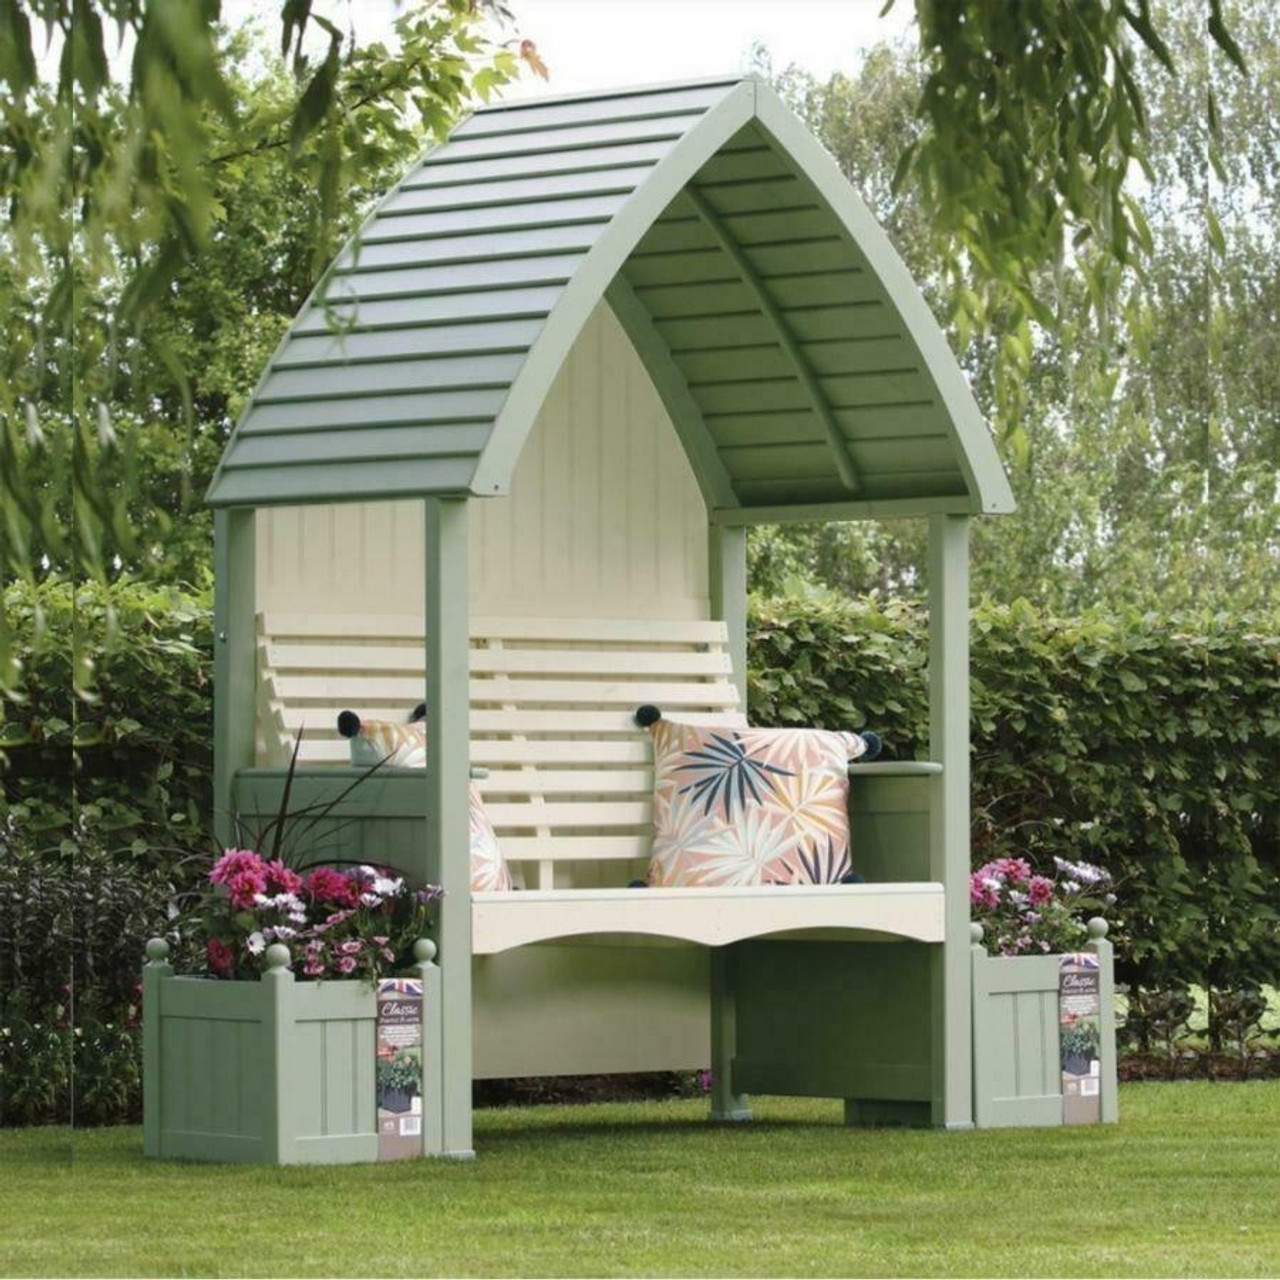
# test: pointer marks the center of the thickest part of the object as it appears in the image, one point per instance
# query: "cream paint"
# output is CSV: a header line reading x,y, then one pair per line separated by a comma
x,y
604,518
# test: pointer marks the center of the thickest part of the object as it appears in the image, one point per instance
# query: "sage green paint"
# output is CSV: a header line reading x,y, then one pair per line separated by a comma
x,y
829,388
948,580
835,1020
448,773
234,660
1017,1074
769,309
266,1072
727,566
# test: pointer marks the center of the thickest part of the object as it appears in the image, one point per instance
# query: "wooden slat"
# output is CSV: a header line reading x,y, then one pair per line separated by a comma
x,y
405,343
613,813
569,848
562,720
546,164
362,282
444,313
500,218
390,376
585,782
585,630
357,689
376,410
566,186
533,243
649,104
611,133
368,658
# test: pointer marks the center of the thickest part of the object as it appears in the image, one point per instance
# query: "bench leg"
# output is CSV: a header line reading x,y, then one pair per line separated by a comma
x,y
725,1104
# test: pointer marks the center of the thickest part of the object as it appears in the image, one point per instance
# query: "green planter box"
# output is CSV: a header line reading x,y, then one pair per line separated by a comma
x,y
266,1072
1017,1048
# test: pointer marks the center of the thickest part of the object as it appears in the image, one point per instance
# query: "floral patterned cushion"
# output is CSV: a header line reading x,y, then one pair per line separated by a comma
x,y
750,806
405,746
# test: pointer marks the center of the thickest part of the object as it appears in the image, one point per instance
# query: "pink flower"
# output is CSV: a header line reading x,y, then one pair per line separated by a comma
x,y
1015,870
346,964
324,885
232,863
280,879
1040,890
220,957
314,967
244,888
349,948
982,893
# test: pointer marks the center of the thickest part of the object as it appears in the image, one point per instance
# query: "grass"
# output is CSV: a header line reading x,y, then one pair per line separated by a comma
x,y
1187,1184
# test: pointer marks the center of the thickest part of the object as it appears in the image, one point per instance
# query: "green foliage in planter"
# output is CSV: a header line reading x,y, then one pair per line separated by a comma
x,y
1147,745
400,1074
1080,1038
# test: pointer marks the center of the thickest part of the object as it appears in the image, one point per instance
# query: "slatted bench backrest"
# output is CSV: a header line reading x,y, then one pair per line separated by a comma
x,y
571,776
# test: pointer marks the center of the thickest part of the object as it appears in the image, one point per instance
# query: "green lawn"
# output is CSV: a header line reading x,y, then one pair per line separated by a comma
x,y
1188,1184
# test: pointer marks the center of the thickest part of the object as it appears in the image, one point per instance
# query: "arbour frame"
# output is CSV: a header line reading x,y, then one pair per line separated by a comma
x,y
306,437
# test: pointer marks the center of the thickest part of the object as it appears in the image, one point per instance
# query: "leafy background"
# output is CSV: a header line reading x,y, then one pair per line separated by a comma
x,y
1119,331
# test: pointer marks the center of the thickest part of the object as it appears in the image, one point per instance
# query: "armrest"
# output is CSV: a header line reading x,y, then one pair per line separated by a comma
x,y
894,769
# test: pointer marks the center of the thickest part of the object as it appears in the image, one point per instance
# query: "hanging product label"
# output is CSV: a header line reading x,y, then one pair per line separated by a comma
x,y
399,1068
1080,1038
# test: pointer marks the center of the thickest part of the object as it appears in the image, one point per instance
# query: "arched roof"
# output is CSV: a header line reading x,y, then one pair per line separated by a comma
x,y
797,359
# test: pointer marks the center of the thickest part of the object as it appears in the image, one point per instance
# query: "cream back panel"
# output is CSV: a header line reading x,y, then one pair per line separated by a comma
x,y
604,518
571,779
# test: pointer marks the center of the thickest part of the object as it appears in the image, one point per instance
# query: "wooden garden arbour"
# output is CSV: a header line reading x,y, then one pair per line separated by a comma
x,y
790,350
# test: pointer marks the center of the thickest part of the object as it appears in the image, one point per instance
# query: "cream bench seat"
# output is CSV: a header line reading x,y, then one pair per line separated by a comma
x,y
569,776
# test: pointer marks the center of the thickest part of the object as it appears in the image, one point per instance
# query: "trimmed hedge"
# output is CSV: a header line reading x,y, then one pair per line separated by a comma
x,y
1150,747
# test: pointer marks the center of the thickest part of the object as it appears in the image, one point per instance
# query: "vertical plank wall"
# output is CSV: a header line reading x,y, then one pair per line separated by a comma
x,y
604,517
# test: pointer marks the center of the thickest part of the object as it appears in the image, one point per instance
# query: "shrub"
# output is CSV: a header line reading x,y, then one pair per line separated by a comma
x,y
1144,745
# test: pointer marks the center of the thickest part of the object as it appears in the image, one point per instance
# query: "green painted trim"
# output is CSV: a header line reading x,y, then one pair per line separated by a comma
x,y
669,382
948,584
976,449
234,666
768,308
154,975
727,594
726,1103
822,512
594,276
279,1120
448,777
1107,1049
624,91
895,769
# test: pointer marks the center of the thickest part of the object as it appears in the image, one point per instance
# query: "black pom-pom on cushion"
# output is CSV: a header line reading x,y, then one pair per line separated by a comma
x,y
647,715
348,724
875,744
419,713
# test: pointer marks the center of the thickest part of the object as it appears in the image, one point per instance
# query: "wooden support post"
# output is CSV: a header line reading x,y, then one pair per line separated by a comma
x,y
448,778
949,819
234,666
424,954
727,563
279,1122
1102,948
154,973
